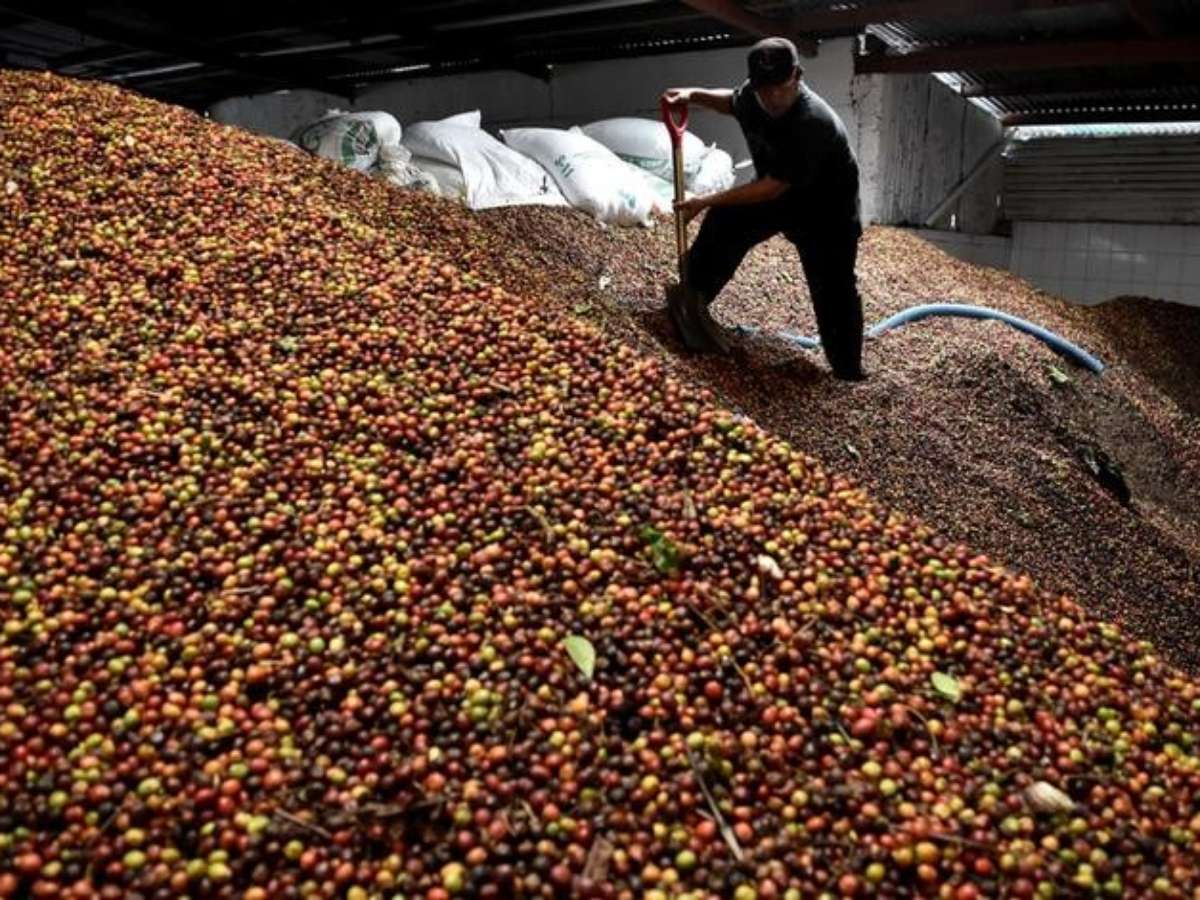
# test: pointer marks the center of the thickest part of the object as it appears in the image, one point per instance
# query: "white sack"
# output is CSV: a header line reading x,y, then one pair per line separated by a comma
x,y
396,166
495,175
590,176
473,119
662,191
353,139
715,173
449,179
647,144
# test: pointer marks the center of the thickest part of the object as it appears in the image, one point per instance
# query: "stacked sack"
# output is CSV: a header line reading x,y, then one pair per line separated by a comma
x,y
646,144
590,176
618,170
474,167
366,142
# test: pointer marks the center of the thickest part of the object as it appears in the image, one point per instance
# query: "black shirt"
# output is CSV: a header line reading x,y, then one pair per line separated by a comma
x,y
806,147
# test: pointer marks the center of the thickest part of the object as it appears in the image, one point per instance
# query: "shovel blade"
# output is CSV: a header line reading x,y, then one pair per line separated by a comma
x,y
689,314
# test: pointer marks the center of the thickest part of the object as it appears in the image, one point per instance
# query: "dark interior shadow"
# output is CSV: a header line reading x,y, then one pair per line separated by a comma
x,y
756,363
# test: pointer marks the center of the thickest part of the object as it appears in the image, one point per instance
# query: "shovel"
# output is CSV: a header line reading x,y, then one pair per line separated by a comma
x,y
687,308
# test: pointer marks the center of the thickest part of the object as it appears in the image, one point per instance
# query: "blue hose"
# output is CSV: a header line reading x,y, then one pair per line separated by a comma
x,y
802,341
915,313
1055,342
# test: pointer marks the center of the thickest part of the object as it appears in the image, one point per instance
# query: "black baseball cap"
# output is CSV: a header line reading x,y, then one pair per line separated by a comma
x,y
772,61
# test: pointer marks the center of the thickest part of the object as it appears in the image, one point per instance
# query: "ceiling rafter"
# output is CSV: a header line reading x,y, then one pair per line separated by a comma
x,y
1057,54
1029,57
160,40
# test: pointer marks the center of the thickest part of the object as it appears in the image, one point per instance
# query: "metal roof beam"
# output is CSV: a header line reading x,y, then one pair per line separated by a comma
x,y
532,15
18,60
1044,55
1110,114
525,50
1142,12
550,56
1148,19
1075,87
617,27
161,41
855,18
94,56
737,16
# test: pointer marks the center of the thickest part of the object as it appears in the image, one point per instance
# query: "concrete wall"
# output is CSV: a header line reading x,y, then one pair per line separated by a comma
x,y
277,114
505,97
1090,262
979,249
920,139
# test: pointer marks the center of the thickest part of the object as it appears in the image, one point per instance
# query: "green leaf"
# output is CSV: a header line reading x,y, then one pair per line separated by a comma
x,y
946,685
663,550
582,653
666,557
1058,376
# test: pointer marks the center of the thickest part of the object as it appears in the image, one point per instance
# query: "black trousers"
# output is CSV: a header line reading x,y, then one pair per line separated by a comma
x,y
827,253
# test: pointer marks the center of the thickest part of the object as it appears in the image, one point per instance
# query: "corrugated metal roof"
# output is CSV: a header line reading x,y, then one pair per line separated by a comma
x,y
1113,105
1130,130
256,47
1027,25
264,46
1104,173
1113,92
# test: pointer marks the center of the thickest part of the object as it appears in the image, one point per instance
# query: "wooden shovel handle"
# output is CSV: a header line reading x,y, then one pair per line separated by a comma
x,y
677,127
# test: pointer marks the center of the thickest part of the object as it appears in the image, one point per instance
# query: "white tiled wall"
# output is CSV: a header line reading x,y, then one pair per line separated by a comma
x,y
980,249
1090,262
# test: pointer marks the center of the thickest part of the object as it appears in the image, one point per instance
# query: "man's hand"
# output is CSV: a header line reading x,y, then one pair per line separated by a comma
x,y
762,191
677,96
691,208
718,100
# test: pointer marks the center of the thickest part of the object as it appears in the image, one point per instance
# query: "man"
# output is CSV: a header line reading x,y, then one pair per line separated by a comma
x,y
806,189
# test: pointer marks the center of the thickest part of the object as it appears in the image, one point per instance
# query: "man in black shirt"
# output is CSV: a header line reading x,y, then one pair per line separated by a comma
x,y
807,189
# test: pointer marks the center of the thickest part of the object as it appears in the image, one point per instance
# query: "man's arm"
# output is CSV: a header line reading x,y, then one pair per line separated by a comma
x,y
760,191
718,100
